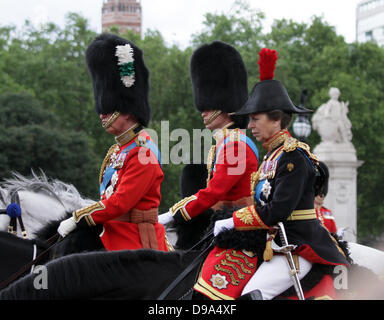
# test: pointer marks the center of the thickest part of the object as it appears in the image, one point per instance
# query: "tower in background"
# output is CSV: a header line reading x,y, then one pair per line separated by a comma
x,y
125,14
370,21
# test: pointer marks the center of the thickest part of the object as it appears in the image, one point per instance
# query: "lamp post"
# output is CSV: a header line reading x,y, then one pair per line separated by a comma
x,y
302,126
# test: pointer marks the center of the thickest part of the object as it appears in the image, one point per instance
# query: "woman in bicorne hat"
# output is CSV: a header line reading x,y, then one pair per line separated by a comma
x,y
283,189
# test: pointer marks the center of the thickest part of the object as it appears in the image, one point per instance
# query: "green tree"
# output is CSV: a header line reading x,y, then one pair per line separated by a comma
x,y
31,140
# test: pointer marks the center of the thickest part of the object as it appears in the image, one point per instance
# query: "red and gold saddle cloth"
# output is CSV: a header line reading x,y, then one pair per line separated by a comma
x,y
225,273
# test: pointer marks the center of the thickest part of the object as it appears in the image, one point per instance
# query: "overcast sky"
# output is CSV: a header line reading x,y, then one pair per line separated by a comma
x,y
178,19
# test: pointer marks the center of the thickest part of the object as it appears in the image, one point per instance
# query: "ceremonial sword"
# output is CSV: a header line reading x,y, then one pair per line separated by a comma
x,y
286,249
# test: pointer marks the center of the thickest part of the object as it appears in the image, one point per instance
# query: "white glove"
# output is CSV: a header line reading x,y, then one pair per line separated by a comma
x,y
67,226
165,218
340,232
222,225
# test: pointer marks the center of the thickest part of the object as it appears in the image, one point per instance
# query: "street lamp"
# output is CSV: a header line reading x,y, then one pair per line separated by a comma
x,y
302,125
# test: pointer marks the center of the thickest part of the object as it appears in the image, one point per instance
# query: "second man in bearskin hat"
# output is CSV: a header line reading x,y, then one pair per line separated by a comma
x,y
219,81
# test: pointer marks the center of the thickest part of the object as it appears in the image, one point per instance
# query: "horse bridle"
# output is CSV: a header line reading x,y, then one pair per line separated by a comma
x,y
12,227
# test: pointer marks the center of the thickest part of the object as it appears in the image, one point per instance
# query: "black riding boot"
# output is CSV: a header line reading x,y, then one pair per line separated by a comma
x,y
253,295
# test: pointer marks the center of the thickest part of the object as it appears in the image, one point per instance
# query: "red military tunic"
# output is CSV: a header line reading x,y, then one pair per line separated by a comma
x,y
230,165
326,218
130,198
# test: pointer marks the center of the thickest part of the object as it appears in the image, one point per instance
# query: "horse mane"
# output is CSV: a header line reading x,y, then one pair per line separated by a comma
x,y
60,191
3,196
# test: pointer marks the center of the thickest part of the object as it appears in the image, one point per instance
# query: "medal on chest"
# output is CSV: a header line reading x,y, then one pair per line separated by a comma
x,y
117,160
263,191
111,188
268,169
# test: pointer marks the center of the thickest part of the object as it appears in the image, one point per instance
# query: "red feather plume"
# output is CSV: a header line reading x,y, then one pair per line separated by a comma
x,y
267,63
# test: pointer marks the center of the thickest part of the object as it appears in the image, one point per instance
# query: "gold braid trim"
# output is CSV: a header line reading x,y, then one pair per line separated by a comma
x,y
238,262
181,206
220,253
112,149
234,267
210,159
234,281
276,140
87,211
245,216
237,255
292,144
255,178
334,241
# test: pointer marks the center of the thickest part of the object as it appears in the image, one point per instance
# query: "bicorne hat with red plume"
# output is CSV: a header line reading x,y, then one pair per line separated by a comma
x,y
269,94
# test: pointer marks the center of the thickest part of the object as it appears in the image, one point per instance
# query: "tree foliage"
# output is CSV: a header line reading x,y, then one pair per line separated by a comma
x,y
48,119
31,139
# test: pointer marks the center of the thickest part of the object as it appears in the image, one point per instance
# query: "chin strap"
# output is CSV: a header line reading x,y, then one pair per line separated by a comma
x,y
213,117
111,119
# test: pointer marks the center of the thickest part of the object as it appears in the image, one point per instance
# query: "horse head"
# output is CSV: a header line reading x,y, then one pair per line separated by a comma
x,y
41,200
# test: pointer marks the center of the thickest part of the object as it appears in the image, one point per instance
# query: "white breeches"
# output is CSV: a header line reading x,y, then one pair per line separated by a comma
x,y
273,277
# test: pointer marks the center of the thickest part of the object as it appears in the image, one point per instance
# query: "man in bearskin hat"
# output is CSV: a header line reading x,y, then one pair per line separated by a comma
x,y
283,192
131,173
219,81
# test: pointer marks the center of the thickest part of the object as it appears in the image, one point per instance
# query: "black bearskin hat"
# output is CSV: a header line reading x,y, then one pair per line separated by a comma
x,y
219,79
193,178
321,184
119,76
269,94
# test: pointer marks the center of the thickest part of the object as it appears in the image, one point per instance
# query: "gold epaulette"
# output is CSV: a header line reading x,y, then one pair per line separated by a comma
x,y
234,135
113,149
141,141
292,144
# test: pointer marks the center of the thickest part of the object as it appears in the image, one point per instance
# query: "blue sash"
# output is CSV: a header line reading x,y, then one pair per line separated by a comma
x,y
243,138
109,171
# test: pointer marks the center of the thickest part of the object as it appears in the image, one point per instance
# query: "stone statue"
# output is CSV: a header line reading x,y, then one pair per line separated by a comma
x,y
331,120
337,151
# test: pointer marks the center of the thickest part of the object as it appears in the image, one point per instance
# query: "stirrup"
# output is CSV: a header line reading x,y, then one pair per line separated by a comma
x,y
253,295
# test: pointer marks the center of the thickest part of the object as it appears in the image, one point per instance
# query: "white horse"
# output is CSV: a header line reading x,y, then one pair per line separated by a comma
x,y
42,200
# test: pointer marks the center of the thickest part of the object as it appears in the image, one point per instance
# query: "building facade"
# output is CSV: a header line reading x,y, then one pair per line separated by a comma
x,y
125,14
370,21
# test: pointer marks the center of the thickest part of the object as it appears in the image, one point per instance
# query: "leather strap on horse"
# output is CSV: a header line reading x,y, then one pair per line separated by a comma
x,y
53,241
145,220
190,267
